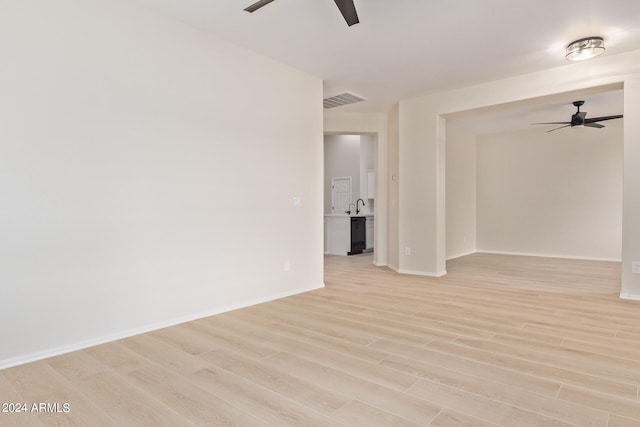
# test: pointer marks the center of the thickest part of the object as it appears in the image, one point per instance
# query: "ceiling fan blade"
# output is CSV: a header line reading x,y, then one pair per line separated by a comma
x,y
552,123
565,126
593,125
257,5
601,119
348,10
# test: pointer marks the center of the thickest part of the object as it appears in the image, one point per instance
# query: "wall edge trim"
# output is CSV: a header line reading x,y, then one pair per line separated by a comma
x,y
543,255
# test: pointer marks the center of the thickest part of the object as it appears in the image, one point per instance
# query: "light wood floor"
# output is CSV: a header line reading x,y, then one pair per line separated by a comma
x,y
500,340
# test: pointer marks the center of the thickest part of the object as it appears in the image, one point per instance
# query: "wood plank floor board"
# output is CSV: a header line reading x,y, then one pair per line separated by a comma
x,y
396,326
348,331
499,391
359,414
365,353
559,360
348,364
412,332
450,418
229,322
582,331
611,347
118,357
223,339
164,354
396,402
500,340
489,329
536,368
191,401
625,407
304,392
335,302
55,393
622,370
632,336
127,404
186,339
263,403
618,421
77,365
12,418
419,361
483,407
41,384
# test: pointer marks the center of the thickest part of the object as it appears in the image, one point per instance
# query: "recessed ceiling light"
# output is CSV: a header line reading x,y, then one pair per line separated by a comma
x,y
585,48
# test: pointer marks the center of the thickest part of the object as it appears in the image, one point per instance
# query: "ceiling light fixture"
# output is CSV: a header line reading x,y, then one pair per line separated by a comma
x,y
588,47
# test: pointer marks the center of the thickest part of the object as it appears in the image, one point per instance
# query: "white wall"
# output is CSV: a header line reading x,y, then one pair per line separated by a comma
x,y
460,192
145,166
551,194
631,190
341,158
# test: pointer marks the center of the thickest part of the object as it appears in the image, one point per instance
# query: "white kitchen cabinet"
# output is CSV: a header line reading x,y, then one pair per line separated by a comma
x,y
369,231
337,231
371,184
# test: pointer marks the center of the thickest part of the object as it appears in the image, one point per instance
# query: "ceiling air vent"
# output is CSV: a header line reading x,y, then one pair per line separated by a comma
x,y
342,99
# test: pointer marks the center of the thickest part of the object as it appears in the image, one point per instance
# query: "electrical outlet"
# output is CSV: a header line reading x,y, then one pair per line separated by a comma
x,y
297,201
635,267
287,265
407,250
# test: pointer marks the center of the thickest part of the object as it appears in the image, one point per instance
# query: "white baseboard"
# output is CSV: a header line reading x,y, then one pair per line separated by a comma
x,y
379,260
56,351
422,273
416,272
485,251
393,267
460,255
630,297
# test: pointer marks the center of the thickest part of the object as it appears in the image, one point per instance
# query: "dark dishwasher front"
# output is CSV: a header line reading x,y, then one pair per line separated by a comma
x,y
358,235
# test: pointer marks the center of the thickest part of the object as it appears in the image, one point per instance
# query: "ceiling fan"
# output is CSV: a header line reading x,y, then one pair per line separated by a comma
x,y
580,119
347,8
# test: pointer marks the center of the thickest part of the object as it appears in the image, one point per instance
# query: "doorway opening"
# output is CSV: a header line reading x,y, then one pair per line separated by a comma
x,y
350,176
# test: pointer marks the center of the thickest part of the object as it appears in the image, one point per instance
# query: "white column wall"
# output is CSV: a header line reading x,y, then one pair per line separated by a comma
x,y
631,190
460,192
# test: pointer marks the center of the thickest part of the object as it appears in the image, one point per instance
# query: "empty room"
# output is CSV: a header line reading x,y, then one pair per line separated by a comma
x,y
184,241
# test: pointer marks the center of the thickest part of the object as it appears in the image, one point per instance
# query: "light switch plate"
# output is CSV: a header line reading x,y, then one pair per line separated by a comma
x,y
635,267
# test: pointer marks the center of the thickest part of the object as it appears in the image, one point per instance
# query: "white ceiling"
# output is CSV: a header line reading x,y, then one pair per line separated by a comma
x,y
406,48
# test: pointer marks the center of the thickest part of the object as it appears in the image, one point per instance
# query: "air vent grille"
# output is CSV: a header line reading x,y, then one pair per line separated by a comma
x,y
342,99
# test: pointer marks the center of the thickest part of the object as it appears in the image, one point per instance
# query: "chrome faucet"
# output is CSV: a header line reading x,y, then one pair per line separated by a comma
x,y
357,205
349,211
